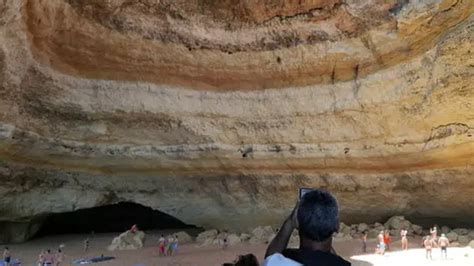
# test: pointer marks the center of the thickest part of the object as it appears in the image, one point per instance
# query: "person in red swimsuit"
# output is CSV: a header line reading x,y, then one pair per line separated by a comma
x,y
387,239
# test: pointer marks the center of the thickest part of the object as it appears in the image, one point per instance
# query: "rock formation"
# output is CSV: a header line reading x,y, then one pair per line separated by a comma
x,y
128,241
216,112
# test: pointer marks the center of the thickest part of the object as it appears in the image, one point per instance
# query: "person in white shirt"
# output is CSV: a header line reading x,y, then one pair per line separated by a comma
x,y
316,217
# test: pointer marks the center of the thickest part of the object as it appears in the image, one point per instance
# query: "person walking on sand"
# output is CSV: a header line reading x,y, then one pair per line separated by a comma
x,y
403,234
364,241
428,243
59,257
7,257
443,242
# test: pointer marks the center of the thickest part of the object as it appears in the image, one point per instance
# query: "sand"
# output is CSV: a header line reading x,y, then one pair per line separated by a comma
x,y
191,254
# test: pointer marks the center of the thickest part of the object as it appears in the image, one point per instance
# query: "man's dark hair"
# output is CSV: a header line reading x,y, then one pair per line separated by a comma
x,y
247,260
318,215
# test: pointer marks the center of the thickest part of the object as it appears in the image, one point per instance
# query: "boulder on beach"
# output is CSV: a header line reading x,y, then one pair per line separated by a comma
x,y
463,239
204,236
233,239
445,229
461,231
183,237
471,244
452,236
417,230
471,235
398,223
362,227
128,241
245,237
261,234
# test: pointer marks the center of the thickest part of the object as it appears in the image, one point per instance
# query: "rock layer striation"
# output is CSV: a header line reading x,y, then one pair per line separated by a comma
x,y
216,112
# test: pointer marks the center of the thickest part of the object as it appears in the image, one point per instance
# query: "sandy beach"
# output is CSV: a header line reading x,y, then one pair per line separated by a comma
x,y
191,254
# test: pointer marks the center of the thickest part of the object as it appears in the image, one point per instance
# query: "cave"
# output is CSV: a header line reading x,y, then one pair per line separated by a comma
x,y
117,217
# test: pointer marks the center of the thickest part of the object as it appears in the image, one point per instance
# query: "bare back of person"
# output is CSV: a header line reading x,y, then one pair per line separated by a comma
x,y
428,244
443,242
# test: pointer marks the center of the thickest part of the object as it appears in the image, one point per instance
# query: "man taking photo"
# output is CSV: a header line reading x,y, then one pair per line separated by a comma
x,y
316,217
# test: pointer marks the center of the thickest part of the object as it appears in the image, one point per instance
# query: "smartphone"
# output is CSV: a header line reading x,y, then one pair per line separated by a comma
x,y
304,190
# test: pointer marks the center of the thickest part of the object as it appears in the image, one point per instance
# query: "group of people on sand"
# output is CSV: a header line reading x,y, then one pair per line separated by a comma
x,y
429,242
168,246
46,258
432,241
384,241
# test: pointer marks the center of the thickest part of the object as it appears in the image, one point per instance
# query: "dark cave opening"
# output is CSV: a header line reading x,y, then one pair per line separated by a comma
x,y
110,218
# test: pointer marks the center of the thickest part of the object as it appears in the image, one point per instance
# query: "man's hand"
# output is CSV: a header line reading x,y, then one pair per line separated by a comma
x,y
280,242
294,216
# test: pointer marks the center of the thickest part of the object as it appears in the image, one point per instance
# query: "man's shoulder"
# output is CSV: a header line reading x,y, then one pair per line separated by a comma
x,y
279,259
310,257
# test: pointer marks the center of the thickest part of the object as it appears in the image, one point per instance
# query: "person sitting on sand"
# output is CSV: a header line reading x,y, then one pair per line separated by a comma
x,y
403,234
443,242
162,246
316,217
428,243
7,257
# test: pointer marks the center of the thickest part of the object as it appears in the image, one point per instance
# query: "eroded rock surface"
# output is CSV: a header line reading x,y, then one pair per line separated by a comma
x,y
217,112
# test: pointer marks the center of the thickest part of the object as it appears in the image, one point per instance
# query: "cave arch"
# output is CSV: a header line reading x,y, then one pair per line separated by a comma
x,y
109,218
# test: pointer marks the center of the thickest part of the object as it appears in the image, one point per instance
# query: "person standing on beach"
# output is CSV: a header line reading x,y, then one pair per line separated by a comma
x,y
41,258
428,243
434,233
175,244
381,245
86,245
59,257
161,246
364,241
169,246
48,258
403,234
443,242
7,257
387,239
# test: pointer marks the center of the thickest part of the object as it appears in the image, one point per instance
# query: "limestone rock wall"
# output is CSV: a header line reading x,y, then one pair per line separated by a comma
x,y
216,112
